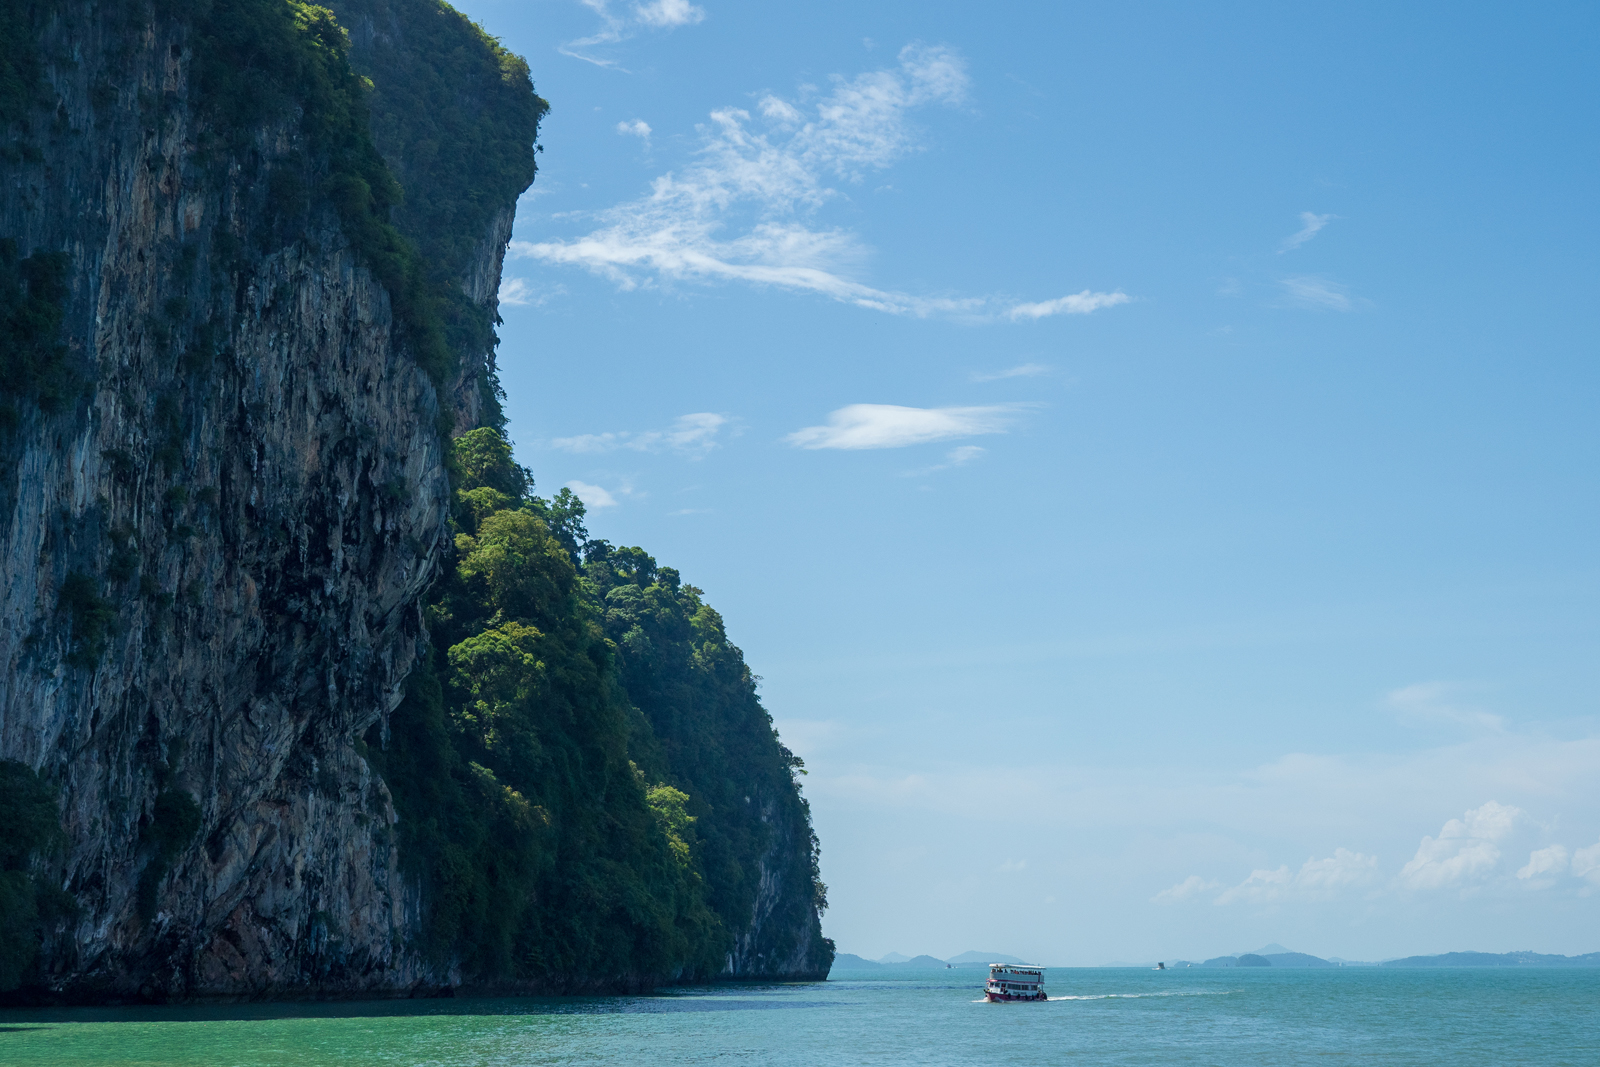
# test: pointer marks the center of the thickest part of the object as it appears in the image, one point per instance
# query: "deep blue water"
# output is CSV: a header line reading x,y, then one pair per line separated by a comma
x,y
1097,1016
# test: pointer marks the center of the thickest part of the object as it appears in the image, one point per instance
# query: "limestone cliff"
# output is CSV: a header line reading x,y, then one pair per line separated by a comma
x,y
253,483
220,525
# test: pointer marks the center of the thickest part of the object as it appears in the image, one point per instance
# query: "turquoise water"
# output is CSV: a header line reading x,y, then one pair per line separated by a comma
x,y
1100,1016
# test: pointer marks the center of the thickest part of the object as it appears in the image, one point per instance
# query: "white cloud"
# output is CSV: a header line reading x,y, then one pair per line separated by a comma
x,y
693,435
1191,886
516,292
1310,226
956,457
892,426
1544,861
1586,863
780,111
1260,886
1025,370
666,14
1316,879
519,292
593,496
1074,304
616,28
743,209
1343,868
1431,702
1464,852
1317,294
637,128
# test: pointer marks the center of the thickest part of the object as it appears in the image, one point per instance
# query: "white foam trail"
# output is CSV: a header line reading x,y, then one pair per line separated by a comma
x,y
1136,996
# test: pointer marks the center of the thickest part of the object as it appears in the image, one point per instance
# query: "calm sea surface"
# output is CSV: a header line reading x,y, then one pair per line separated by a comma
x,y
1098,1016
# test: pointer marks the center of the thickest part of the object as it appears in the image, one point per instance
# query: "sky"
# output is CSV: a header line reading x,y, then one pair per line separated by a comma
x,y
1148,451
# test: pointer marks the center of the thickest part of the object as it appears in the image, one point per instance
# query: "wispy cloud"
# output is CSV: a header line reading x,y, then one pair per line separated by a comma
x,y
666,14
693,435
1187,889
1437,702
1586,864
617,26
1310,225
519,292
637,128
959,456
744,209
1025,370
859,426
1317,294
593,497
1075,304
516,292
1465,851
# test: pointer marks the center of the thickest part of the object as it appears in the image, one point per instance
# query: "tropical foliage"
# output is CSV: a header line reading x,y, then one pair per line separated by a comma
x,y
586,781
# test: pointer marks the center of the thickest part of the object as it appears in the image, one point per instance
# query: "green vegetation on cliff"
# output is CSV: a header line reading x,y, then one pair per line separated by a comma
x,y
28,816
33,361
256,61
587,784
456,117
706,731
540,856
21,76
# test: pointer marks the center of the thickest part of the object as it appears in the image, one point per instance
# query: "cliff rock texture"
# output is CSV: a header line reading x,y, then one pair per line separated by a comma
x,y
237,357
252,486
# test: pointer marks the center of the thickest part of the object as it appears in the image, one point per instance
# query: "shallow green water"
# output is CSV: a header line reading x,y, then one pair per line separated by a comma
x,y
1546,1017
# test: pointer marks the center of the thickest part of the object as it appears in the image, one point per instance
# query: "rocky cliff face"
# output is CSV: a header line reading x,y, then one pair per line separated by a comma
x,y
783,937
253,485
216,552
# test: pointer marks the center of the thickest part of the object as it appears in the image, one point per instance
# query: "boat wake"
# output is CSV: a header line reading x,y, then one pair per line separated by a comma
x,y
1137,996
1163,993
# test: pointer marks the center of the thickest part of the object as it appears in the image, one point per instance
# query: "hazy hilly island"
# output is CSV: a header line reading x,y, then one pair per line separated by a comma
x,y
307,691
1272,955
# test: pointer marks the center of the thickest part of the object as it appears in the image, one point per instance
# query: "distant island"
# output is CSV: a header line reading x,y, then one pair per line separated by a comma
x,y
845,961
1278,956
1273,955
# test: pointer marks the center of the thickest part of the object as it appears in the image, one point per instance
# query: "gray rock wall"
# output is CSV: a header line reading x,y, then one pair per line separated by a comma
x,y
259,446
782,939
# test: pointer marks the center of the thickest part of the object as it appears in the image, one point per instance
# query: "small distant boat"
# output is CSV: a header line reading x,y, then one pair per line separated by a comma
x,y
1015,981
1161,966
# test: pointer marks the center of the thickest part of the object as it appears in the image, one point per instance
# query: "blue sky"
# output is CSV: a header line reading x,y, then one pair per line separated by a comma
x,y
1147,450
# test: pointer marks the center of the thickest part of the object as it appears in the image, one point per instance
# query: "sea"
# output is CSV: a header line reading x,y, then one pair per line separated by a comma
x,y
1368,1016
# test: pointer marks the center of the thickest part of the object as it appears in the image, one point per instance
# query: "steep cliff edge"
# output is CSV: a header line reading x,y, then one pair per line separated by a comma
x,y
237,352
249,493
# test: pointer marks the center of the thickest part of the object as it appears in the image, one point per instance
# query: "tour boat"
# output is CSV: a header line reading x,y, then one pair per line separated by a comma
x,y
1015,981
